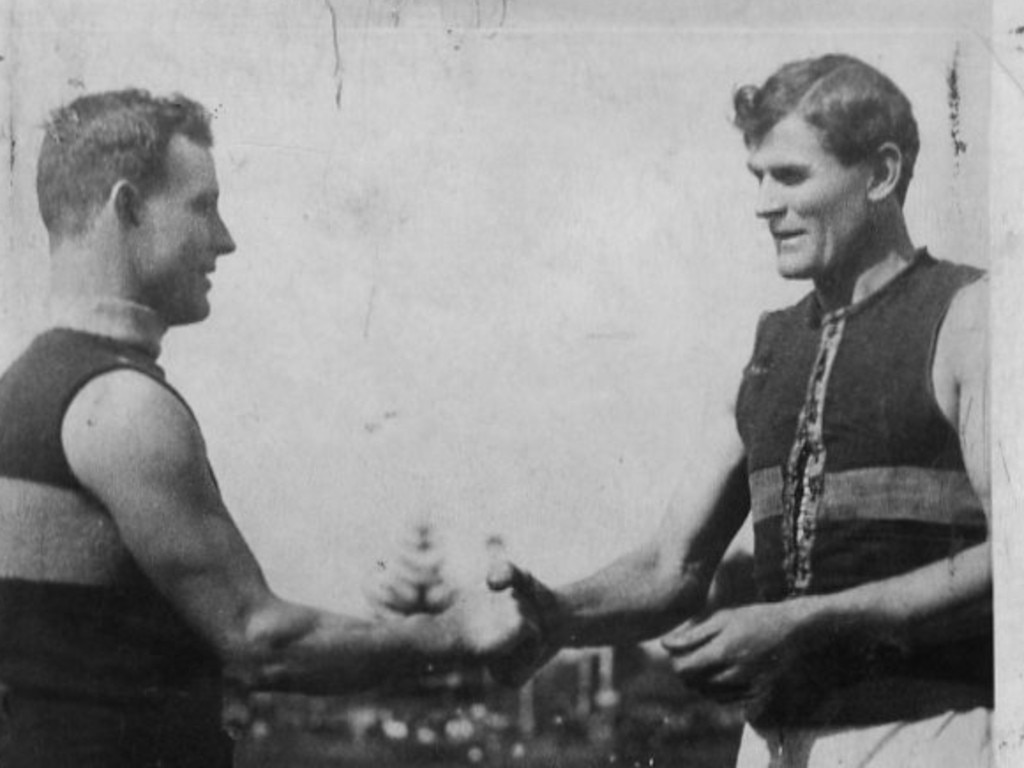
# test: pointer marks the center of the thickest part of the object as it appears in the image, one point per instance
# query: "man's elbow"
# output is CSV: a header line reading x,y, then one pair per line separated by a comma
x,y
681,584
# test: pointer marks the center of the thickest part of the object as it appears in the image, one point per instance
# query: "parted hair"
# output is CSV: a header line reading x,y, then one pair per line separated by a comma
x,y
855,108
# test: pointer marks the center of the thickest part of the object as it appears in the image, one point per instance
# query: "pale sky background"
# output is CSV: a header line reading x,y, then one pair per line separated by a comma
x,y
497,261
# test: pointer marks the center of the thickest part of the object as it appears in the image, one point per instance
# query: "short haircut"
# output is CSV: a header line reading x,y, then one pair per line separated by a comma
x,y
855,108
100,139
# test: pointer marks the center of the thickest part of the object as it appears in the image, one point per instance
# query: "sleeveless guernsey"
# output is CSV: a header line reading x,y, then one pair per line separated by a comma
x,y
856,476
116,660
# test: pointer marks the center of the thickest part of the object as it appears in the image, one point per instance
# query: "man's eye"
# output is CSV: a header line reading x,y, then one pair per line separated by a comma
x,y
789,177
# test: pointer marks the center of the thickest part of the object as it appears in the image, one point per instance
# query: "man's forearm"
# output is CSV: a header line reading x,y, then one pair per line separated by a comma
x,y
658,586
938,603
635,598
295,648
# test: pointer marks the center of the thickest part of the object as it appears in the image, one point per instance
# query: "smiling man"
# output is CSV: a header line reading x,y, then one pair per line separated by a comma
x,y
859,447
126,591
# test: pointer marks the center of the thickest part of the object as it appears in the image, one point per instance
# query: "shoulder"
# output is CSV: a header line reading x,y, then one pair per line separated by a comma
x,y
969,308
801,310
128,396
964,331
124,422
774,322
960,363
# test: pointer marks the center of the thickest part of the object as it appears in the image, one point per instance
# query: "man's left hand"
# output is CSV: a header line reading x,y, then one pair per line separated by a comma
x,y
734,655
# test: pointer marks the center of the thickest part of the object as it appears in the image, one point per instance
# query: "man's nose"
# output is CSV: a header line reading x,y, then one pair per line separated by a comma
x,y
223,242
769,200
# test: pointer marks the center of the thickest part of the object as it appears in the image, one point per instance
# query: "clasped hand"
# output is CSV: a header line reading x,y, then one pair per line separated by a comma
x,y
736,654
483,623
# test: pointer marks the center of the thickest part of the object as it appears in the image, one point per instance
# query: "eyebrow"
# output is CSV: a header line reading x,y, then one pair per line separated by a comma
x,y
782,165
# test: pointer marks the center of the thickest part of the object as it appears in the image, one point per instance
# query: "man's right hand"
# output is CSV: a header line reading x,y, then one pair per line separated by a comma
x,y
537,604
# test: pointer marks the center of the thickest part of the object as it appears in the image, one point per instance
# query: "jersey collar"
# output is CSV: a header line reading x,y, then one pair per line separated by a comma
x,y
118,319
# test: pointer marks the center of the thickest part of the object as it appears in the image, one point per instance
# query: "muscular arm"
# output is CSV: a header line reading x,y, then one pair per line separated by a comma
x,y
139,451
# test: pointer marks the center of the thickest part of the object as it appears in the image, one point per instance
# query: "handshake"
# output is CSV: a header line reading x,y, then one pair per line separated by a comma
x,y
509,625
732,654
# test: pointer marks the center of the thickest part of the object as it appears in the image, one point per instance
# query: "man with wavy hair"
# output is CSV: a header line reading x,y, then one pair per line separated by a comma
x,y
858,445
127,593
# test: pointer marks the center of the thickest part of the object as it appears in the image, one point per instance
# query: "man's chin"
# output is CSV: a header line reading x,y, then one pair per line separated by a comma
x,y
790,269
191,317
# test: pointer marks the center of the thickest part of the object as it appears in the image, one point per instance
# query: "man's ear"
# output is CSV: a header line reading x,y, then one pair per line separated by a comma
x,y
127,204
886,171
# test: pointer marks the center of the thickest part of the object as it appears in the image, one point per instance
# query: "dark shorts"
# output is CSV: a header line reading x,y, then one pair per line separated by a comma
x,y
43,733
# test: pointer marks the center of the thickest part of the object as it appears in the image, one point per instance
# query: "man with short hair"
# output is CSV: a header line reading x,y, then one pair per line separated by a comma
x,y
126,590
861,456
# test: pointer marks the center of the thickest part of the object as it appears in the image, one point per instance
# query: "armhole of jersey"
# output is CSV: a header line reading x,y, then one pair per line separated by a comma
x,y
73,392
120,366
933,345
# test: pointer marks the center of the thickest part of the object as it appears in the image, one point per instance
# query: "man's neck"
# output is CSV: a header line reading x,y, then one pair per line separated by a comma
x,y
91,290
109,316
885,251
92,264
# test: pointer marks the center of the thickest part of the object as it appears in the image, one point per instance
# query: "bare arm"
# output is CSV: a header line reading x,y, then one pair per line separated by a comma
x,y
651,589
665,581
140,452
